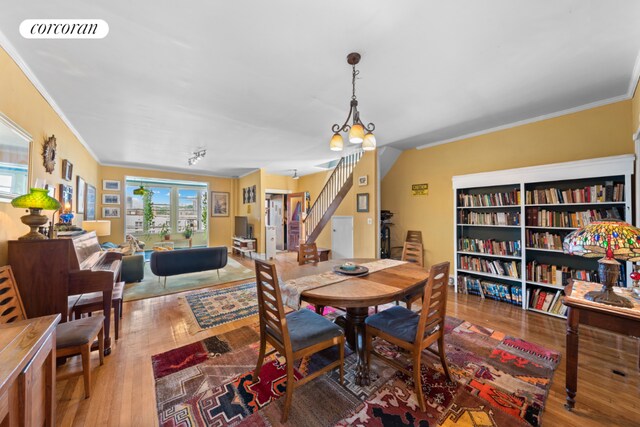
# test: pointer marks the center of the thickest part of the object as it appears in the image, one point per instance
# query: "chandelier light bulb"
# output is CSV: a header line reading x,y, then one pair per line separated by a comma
x,y
336,144
369,143
356,134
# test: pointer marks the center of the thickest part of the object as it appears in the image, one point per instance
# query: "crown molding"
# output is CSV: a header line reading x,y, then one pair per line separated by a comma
x,y
13,53
138,166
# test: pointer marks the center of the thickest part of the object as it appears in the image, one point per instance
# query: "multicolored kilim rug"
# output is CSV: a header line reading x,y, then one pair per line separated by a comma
x,y
212,308
500,381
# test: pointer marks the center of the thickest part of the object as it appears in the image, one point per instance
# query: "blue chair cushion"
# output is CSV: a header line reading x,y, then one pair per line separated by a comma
x,y
307,328
396,321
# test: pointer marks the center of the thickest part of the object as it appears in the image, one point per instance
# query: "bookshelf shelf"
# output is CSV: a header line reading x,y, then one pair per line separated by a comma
x,y
547,313
493,276
482,254
607,178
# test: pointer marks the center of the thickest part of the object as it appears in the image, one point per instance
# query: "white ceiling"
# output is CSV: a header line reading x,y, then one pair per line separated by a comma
x,y
259,83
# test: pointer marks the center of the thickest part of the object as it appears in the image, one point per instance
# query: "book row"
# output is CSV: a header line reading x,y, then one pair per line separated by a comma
x,y
544,240
489,199
558,274
490,246
609,192
489,218
492,290
549,301
537,217
500,268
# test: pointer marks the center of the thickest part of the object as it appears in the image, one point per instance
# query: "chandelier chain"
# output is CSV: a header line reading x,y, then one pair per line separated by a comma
x,y
353,82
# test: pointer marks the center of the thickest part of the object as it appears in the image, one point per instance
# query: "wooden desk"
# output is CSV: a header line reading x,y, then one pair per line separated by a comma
x,y
357,294
28,372
619,320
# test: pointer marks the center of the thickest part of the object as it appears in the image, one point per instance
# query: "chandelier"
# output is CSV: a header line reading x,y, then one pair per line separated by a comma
x,y
197,156
359,133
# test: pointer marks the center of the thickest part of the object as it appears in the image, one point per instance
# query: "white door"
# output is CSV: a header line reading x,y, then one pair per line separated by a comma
x,y
341,237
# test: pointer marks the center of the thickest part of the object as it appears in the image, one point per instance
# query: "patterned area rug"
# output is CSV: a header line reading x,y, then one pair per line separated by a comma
x,y
212,308
500,381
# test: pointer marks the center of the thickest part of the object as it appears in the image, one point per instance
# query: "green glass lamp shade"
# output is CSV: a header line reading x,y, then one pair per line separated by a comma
x,y
38,198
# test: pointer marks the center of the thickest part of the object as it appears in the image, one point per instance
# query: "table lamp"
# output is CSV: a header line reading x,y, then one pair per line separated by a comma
x,y
102,228
37,200
610,239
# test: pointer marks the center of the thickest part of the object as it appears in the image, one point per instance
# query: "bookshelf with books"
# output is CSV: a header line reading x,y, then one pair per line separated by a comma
x,y
516,220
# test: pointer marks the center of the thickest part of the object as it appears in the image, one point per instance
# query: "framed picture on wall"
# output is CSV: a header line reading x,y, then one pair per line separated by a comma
x,y
219,203
108,212
110,185
66,197
67,170
110,199
362,180
253,194
362,202
80,195
90,206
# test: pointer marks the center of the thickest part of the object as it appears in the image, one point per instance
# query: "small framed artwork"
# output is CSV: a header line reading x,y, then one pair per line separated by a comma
x,y
362,202
51,190
219,203
80,195
110,199
110,212
66,197
110,185
90,206
253,194
67,170
244,196
362,180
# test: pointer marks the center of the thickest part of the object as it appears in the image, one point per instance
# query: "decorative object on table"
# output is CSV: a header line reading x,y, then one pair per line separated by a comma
x,y
197,156
357,129
110,185
165,231
49,150
81,191
101,227
351,269
67,214
609,239
37,200
362,202
188,231
110,212
635,276
90,203
67,170
363,180
219,203
110,199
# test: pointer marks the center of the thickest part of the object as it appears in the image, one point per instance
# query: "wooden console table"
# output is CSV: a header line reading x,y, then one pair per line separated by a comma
x,y
28,372
614,319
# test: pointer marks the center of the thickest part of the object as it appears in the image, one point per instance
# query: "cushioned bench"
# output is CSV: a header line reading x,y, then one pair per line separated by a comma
x,y
181,261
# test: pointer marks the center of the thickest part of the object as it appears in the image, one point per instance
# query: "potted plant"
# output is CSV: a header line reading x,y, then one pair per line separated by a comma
x,y
188,231
164,231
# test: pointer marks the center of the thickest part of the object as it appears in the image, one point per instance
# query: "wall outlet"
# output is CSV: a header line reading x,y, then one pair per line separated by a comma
x,y
369,221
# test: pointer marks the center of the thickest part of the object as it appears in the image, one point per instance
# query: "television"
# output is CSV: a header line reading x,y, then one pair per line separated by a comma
x,y
242,227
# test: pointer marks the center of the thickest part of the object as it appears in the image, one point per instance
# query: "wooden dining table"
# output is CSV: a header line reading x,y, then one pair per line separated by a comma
x,y
356,295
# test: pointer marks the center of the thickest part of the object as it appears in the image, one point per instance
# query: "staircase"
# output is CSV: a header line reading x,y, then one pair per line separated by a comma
x,y
334,191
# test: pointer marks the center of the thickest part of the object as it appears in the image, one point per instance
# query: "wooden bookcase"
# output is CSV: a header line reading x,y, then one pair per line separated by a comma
x,y
501,207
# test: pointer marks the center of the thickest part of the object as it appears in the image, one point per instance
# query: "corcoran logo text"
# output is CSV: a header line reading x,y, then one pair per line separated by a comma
x,y
64,29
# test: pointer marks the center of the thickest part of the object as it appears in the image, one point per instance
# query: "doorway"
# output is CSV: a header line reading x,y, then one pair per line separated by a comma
x,y
276,217
341,237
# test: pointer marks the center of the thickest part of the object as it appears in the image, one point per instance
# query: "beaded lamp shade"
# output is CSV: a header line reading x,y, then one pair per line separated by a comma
x,y
610,238
607,239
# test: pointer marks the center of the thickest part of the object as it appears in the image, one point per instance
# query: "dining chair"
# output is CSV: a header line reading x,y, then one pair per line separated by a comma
x,y
414,236
72,338
298,334
412,252
308,252
414,332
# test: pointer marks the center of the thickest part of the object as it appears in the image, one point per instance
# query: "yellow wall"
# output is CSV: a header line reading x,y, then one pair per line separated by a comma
x,y
364,234
23,104
279,182
254,211
220,228
598,132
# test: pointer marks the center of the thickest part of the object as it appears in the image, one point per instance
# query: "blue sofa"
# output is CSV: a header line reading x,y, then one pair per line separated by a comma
x,y
171,263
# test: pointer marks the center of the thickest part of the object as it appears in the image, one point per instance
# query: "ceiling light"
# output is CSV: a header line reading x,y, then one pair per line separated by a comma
x,y
356,130
197,156
295,174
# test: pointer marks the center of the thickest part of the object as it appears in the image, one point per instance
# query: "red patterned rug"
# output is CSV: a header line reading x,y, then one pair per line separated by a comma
x,y
500,381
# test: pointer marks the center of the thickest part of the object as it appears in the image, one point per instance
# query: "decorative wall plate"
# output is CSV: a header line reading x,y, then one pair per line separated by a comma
x,y
49,154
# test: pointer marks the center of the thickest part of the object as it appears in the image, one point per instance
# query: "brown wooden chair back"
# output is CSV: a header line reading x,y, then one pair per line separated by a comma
x,y
434,305
11,308
270,311
308,252
414,236
412,252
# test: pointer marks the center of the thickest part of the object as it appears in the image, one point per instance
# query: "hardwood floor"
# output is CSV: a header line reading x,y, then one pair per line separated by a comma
x,y
123,389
